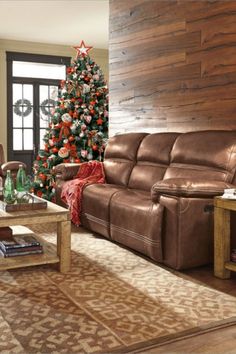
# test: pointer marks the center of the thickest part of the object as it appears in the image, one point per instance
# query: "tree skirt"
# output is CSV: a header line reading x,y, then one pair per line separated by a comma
x,y
111,301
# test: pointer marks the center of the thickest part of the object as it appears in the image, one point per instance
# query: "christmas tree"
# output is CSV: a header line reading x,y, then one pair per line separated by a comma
x,y
78,128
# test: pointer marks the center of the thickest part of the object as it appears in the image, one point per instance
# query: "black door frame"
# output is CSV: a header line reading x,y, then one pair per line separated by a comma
x,y
26,57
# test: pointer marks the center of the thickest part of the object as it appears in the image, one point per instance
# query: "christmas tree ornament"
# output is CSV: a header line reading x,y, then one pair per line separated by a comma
x,y
63,152
99,121
84,153
66,118
51,142
90,156
88,119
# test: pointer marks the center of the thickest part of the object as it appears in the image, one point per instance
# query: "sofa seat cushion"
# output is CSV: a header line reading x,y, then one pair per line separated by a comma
x,y
137,222
95,207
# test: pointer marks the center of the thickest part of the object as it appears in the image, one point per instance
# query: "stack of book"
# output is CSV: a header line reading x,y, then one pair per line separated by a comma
x,y
229,193
20,245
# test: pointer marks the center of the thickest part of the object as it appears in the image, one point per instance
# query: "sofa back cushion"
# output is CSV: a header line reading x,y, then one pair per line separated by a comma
x,y
204,154
153,158
120,157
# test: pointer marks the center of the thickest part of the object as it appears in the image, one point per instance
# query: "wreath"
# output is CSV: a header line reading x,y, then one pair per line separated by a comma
x,y
45,104
18,109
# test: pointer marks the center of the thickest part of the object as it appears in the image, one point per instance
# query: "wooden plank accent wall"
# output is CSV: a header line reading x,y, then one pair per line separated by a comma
x,y
172,65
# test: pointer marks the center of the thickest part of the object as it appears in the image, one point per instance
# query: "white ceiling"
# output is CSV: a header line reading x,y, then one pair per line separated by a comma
x,y
64,22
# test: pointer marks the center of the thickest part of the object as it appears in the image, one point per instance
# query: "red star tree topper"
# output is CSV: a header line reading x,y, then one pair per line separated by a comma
x,y
82,49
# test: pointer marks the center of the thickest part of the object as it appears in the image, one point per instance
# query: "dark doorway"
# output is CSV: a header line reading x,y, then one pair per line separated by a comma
x,y
32,94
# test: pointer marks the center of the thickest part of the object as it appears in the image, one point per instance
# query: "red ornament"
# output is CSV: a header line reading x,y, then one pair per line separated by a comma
x,y
39,194
67,146
92,111
62,83
71,138
42,176
99,121
69,70
95,147
77,160
55,150
73,153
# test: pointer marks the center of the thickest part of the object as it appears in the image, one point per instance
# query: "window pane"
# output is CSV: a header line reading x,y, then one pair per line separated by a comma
x,y
28,120
42,133
17,121
44,118
28,92
17,139
54,93
39,70
43,93
17,92
28,139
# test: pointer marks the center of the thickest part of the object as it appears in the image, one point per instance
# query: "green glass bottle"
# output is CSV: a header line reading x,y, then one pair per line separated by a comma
x,y
21,189
8,189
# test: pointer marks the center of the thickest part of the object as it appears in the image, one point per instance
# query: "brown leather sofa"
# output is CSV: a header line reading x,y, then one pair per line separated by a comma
x,y
158,199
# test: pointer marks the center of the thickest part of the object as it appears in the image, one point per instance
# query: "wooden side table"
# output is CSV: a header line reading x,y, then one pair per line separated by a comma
x,y
222,263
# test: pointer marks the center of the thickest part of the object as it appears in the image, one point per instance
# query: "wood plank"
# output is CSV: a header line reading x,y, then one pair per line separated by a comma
x,y
148,68
147,36
64,245
228,204
219,60
221,242
210,34
230,266
163,75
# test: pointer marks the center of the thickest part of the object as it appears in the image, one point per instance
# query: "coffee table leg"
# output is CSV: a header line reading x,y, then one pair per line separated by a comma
x,y
64,245
222,242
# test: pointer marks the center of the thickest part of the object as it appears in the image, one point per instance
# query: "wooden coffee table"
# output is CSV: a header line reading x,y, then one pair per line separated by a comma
x,y
60,254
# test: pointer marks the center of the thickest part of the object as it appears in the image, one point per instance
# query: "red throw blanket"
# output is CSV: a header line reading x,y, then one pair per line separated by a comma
x,y
89,173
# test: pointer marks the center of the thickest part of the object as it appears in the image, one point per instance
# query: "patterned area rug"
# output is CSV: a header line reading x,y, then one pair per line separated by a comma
x,y
111,301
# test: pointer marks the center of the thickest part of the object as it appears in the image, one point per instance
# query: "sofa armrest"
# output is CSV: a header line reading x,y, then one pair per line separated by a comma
x,y
184,187
13,166
66,171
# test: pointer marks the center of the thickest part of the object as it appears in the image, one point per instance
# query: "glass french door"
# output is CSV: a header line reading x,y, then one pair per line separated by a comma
x,y
32,107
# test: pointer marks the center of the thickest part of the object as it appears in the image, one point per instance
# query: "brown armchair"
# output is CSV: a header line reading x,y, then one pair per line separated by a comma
x,y
13,166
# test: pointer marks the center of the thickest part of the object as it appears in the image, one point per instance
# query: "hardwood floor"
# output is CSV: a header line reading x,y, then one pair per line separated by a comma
x,y
221,341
